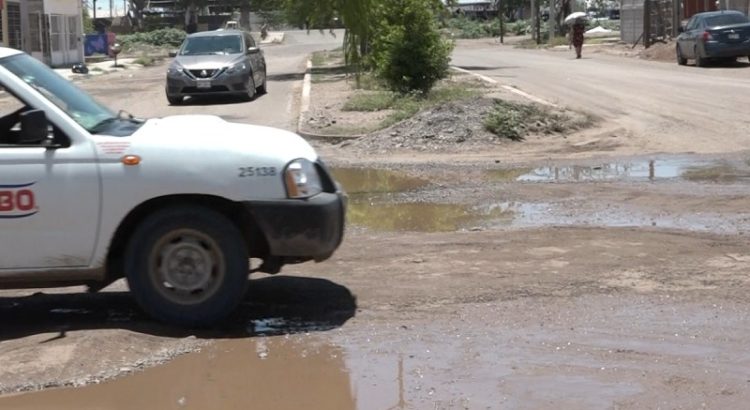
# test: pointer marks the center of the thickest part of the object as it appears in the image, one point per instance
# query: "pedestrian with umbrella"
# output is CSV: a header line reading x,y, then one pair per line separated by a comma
x,y
577,23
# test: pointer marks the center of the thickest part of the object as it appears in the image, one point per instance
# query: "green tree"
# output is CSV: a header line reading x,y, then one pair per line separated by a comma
x,y
409,52
373,29
88,23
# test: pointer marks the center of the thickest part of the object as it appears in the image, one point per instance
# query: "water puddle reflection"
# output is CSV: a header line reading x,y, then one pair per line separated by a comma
x,y
645,170
369,180
421,216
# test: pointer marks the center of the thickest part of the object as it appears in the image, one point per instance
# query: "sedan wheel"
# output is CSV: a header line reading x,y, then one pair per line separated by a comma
x,y
174,100
680,59
699,61
250,93
263,88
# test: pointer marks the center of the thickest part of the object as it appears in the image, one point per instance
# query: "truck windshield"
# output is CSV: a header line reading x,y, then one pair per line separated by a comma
x,y
61,92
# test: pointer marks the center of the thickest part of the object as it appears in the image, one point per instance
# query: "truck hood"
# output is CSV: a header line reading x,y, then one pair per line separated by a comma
x,y
211,135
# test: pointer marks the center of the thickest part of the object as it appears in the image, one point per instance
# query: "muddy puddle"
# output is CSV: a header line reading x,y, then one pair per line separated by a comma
x,y
386,200
573,356
368,180
372,204
279,372
641,170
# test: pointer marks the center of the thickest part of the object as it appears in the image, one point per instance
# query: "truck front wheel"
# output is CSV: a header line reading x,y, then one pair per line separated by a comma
x,y
187,266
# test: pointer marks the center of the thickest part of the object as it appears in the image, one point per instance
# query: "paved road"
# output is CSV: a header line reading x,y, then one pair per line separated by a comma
x,y
141,92
662,104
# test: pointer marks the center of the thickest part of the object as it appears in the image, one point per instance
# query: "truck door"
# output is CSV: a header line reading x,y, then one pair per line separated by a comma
x,y
49,197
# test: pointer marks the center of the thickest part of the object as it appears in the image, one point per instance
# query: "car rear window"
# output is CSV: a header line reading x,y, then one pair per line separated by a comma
x,y
725,20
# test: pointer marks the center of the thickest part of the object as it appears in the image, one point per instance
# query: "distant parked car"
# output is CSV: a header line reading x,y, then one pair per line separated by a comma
x,y
714,35
217,62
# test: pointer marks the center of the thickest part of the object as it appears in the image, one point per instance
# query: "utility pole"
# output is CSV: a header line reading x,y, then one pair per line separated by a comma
x,y
552,20
94,13
534,33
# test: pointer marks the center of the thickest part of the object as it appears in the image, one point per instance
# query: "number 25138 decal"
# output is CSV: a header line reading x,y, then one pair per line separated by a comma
x,y
246,172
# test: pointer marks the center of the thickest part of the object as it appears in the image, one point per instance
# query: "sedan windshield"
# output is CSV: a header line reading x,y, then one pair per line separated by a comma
x,y
212,45
725,20
61,92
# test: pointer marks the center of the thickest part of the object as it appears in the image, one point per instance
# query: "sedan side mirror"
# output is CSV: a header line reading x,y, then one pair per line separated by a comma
x,y
34,127
173,54
681,29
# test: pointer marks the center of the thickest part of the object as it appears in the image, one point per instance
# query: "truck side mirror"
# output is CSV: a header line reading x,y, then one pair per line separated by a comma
x,y
34,127
253,50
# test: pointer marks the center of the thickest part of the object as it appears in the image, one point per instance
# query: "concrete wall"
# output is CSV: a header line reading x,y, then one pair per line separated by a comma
x,y
66,7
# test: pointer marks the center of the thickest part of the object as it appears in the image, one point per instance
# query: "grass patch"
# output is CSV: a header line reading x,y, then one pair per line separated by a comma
x,y
325,58
516,120
405,106
146,61
531,43
369,102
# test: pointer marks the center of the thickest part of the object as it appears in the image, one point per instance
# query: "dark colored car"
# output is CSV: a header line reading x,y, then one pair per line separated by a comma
x,y
714,35
224,62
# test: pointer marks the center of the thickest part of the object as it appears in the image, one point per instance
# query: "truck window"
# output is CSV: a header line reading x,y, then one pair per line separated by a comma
x,y
11,109
10,112
59,91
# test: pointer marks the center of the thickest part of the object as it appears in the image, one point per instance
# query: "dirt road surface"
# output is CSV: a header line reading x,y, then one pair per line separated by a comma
x,y
614,276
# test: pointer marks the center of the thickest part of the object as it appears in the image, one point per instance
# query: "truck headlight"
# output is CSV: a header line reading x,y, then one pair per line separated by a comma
x,y
302,179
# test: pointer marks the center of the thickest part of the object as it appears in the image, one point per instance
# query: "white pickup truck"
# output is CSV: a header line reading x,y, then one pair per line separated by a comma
x,y
176,205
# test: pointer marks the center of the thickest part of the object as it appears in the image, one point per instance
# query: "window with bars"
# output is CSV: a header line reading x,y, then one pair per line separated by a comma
x,y
14,26
35,32
72,32
55,30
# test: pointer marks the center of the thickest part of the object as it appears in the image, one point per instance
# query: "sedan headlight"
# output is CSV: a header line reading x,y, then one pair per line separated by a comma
x,y
302,179
239,67
175,68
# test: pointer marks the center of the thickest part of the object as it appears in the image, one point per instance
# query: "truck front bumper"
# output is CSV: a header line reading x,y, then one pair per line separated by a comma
x,y
301,230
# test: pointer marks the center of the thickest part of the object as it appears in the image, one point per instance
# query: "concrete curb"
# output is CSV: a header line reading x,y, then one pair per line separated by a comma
x,y
304,108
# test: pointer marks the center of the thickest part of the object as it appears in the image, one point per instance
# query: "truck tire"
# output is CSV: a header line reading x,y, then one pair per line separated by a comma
x,y
187,266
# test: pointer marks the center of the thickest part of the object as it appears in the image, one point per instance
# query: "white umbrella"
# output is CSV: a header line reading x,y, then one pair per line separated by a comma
x,y
575,16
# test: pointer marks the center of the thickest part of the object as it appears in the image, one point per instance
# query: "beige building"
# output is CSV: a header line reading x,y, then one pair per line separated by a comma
x,y
50,30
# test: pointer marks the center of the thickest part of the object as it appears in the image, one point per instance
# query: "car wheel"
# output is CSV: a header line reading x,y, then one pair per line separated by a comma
x,y
250,93
187,265
699,61
263,89
173,100
680,59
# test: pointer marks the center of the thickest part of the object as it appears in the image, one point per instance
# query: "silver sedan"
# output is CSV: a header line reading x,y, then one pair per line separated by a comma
x,y
221,62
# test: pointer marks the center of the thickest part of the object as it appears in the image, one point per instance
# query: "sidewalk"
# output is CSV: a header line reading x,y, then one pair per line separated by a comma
x,y
100,68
